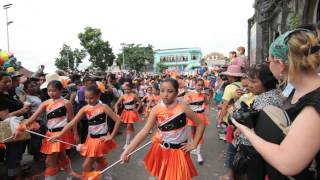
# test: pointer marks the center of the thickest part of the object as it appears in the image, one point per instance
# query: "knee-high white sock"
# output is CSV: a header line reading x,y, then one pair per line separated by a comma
x,y
128,138
199,149
69,177
199,156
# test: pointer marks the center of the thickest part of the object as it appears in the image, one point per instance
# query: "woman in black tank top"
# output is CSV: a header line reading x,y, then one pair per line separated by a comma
x,y
294,55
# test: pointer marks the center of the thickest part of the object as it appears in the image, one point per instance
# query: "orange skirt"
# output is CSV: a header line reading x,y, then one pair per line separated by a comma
x,y
95,147
169,164
202,116
129,117
55,147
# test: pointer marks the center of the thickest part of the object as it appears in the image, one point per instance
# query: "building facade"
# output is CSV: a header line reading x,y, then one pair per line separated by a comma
x,y
274,17
179,59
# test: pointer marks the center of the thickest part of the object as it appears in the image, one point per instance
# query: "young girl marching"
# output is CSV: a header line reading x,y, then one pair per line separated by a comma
x,y
129,114
99,142
182,89
58,111
197,101
169,158
145,101
152,100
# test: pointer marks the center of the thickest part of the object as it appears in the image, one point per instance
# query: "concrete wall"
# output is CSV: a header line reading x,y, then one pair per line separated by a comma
x,y
272,18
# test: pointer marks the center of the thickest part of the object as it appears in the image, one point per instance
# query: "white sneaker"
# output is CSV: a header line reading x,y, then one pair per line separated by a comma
x,y
200,158
222,137
125,146
194,152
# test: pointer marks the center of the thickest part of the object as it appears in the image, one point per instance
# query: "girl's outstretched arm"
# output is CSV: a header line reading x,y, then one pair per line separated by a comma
x,y
36,114
199,129
139,102
116,106
143,133
71,124
115,118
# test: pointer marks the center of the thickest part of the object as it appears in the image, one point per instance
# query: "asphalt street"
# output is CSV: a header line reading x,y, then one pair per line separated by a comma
x,y
211,169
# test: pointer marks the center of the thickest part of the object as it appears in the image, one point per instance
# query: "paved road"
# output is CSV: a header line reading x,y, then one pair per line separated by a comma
x,y
210,170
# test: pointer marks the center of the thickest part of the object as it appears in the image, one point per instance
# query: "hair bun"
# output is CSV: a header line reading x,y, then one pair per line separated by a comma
x,y
305,49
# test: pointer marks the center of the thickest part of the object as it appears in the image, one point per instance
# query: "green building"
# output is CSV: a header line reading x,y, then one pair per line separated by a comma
x,y
180,59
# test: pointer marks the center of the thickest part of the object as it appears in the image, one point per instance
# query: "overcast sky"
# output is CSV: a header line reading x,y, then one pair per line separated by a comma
x,y
41,26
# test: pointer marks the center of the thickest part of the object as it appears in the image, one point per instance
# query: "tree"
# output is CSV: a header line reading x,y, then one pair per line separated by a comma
x,y
136,56
69,59
101,55
65,60
79,55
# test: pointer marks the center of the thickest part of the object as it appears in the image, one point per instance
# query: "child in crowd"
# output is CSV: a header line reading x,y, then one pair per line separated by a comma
x,y
145,100
197,100
99,141
169,156
130,113
152,100
182,89
58,111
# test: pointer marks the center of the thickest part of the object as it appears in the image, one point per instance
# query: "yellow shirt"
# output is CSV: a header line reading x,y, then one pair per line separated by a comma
x,y
228,95
246,98
230,91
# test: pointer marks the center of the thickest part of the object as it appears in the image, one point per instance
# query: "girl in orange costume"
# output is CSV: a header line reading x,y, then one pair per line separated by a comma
x,y
169,157
152,100
59,112
145,100
130,113
182,89
197,101
99,142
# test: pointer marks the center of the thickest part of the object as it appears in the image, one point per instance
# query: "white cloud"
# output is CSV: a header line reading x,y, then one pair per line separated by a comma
x,y
41,26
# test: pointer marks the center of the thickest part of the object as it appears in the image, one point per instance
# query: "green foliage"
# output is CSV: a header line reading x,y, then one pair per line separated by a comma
x,y
161,67
69,59
101,55
136,56
294,22
79,55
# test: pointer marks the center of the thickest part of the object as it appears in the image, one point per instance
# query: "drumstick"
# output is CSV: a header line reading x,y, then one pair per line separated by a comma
x,y
35,133
2,145
3,141
97,175
141,147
